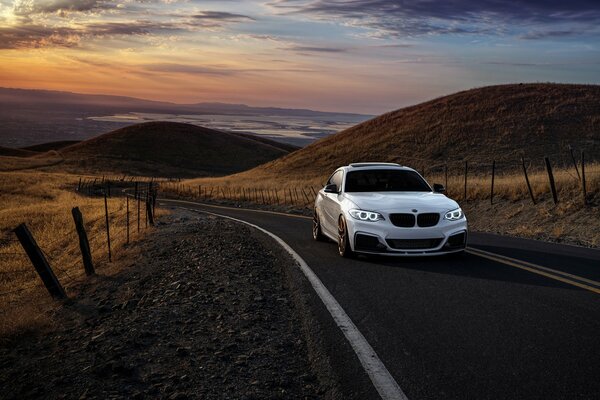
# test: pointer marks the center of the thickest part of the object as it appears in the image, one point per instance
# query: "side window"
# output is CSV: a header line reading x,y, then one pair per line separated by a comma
x,y
330,180
336,179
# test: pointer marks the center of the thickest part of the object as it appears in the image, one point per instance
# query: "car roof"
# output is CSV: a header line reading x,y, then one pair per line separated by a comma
x,y
374,165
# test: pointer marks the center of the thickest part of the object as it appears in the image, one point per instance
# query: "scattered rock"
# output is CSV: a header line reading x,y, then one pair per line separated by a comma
x,y
203,313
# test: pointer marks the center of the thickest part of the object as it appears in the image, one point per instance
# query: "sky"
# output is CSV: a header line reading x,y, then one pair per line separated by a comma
x,y
365,56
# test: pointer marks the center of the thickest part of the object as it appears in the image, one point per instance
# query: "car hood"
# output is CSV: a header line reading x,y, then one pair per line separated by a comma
x,y
402,201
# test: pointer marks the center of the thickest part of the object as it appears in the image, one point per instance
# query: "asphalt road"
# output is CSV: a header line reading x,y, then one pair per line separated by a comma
x,y
472,327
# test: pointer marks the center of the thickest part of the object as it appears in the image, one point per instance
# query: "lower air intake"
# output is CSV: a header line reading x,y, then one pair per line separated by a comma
x,y
413,244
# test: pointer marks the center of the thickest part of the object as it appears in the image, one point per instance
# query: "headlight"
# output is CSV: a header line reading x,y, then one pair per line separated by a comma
x,y
454,215
366,215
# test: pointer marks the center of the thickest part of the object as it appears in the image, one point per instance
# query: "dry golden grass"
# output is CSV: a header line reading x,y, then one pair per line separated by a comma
x,y
497,122
507,186
8,163
43,201
512,186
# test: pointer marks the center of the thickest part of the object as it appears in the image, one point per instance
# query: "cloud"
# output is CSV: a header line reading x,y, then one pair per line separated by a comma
x,y
398,18
187,69
222,16
30,7
32,36
316,49
42,23
191,69
535,35
216,19
39,36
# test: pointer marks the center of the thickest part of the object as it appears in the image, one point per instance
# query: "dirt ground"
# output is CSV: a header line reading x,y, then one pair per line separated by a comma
x,y
207,309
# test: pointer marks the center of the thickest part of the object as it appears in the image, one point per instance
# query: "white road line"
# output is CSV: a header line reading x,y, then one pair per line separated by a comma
x,y
383,381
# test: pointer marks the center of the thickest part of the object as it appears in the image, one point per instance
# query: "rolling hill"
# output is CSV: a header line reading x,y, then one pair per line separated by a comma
x,y
44,147
496,122
169,149
10,152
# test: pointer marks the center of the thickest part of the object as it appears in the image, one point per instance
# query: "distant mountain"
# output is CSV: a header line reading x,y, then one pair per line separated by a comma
x,y
168,149
29,117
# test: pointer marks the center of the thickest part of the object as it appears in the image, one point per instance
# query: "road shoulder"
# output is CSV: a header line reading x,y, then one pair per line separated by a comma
x,y
207,309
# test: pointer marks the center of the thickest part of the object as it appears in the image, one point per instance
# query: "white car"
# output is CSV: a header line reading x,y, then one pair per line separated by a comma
x,y
384,208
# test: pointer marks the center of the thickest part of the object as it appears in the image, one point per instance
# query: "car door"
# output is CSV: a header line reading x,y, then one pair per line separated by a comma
x,y
331,205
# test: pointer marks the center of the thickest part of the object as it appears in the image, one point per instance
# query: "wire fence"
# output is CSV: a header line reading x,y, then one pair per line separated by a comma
x,y
119,224
560,175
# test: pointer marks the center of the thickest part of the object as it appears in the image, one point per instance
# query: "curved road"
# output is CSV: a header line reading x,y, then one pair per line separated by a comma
x,y
511,319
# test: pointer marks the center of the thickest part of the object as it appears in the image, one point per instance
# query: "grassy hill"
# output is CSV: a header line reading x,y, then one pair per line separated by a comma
x,y
168,149
496,122
44,147
10,152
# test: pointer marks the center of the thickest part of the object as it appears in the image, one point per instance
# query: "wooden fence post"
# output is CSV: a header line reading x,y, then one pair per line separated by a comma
x,y
527,181
446,175
493,176
39,262
84,244
551,180
305,196
574,162
149,212
127,217
583,178
138,214
146,213
107,228
466,169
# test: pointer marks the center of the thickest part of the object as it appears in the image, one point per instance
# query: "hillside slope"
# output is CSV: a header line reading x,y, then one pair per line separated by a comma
x,y
10,152
168,149
496,122
44,147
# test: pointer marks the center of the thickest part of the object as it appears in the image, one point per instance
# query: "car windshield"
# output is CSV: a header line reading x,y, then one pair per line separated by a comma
x,y
385,180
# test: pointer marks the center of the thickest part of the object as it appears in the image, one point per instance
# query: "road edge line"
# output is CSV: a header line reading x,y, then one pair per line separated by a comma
x,y
238,208
384,383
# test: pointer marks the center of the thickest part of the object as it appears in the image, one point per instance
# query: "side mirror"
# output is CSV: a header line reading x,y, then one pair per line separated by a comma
x,y
331,188
439,188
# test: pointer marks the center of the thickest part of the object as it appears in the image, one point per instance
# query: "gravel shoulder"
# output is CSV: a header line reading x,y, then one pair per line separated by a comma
x,y
207,308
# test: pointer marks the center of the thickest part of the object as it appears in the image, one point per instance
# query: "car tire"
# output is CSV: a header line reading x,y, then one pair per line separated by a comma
x,y
343,240
316,230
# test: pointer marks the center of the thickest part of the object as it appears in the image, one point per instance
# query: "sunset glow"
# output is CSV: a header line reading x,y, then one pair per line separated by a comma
x,y
359,56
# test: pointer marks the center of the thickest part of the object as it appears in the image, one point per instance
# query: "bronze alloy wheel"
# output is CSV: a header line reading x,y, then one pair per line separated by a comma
x,y
343,242
316,229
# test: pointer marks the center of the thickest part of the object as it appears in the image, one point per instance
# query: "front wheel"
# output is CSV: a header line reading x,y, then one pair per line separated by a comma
x,y
343,241
316,229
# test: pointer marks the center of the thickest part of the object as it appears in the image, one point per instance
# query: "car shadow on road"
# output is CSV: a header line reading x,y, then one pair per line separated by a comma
x,y
465,265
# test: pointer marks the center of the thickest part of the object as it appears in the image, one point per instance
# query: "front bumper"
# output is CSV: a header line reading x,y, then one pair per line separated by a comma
x,y
383,237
